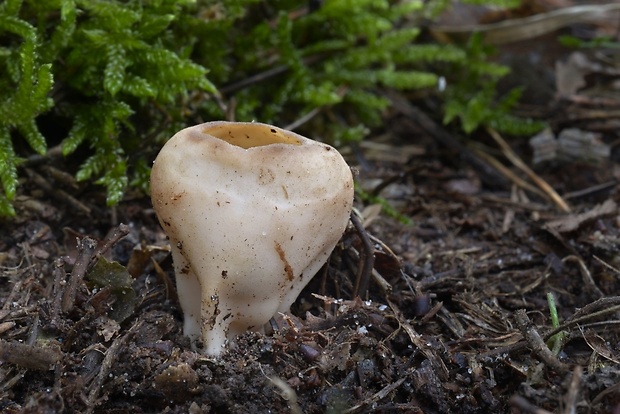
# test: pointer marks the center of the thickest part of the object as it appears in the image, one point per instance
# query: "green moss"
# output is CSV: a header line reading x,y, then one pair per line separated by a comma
x,y
472,99
127,74
112,64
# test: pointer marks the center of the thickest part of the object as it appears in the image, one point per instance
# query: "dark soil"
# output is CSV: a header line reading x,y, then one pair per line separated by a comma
x,y
455,318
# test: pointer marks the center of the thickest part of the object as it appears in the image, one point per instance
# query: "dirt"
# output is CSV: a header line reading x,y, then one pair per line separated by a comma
x,y
447,313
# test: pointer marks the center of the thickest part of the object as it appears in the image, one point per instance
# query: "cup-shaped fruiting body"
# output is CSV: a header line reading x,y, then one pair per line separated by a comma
x,y
252,212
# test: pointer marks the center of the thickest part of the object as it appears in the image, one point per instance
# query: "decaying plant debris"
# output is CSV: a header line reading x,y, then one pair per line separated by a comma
x,y
452,315
448,314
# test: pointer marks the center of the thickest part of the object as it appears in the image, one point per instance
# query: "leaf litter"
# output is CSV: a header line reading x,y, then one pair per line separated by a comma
x,y
447,314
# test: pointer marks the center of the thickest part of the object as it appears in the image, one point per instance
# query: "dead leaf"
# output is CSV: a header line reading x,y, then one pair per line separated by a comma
x,y
114,275
599,346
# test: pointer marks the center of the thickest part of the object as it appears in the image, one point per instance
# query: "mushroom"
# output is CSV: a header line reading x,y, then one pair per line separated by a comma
x,y
252,212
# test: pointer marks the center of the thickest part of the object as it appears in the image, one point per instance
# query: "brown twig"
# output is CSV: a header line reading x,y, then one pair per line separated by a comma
x,y
266,75
375,397
28,356
37,159
607,186
518,162
420,343
362,280
14,292
588,280
606,265
171,292
106,365
607,392
488,173
303,119
519,29
60,176
508,174
57,193
536,343
526,406
86,248
606,305
6,326
59,279
113,236
570,399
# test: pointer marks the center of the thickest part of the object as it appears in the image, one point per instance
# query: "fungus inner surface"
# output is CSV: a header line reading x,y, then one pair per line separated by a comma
x,y
250,135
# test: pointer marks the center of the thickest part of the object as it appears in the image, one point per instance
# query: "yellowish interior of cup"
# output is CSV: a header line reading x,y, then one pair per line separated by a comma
x,y
250,135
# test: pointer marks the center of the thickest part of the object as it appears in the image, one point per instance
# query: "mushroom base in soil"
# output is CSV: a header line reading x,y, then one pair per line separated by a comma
x,y
252,212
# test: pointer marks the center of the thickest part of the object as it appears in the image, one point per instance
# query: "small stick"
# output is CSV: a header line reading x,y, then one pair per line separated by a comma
x,y
605,264
57,193
362,280
587,313
373,399
525,406
28,356
488,173
536,342
59,278
6,326
265,75
518,162
114,235
419,342
590,284
609,185
86,248
287,392
507,173
302,120
111,355
16,288
570,399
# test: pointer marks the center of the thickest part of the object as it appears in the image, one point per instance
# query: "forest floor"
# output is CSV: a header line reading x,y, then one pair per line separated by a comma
x,y
456,317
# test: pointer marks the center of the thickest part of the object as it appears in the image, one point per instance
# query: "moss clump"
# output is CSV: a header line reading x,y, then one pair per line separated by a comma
x,y
472,97
116,78
111,64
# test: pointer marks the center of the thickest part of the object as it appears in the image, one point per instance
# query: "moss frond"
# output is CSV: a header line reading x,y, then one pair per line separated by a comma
x,y
24,85
471,96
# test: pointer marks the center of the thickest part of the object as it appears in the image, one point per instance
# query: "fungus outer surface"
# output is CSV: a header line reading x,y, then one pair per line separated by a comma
x,y
250,221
